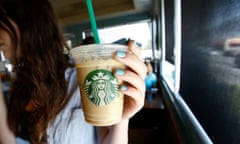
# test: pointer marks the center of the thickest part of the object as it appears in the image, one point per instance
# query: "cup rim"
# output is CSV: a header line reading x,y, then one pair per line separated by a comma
x,y
101,48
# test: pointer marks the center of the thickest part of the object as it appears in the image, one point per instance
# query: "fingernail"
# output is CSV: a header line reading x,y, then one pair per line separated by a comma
x,y
119,72
123,88
135,43
121,54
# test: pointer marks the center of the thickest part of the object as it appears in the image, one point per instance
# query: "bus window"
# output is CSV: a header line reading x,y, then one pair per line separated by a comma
x,y
139,31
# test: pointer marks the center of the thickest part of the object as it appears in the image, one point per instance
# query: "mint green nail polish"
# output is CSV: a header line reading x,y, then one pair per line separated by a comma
x,y
123,87
121,54
135,43
119,72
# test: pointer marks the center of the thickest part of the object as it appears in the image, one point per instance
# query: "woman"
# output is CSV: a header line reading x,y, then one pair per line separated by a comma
x,y
44,104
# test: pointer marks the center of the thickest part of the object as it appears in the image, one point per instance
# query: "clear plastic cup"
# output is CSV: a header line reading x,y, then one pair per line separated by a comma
x,y
102,102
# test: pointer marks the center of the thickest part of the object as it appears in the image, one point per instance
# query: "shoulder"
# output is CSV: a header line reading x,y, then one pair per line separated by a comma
x,y
73,89
71,75
21,141
72,130
70,127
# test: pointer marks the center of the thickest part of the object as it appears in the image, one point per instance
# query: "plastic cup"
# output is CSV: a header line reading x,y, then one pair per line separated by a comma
x,y
102,102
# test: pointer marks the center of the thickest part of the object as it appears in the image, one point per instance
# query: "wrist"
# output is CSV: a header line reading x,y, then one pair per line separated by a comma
x,y
123,122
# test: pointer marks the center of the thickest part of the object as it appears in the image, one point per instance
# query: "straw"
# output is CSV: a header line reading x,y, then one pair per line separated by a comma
x,y
93,21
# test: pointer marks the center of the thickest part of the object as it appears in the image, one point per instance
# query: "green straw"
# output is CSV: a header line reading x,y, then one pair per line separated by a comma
x,y
93,21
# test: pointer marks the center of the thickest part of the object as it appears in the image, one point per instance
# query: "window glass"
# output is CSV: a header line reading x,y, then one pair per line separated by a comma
x,y
140,32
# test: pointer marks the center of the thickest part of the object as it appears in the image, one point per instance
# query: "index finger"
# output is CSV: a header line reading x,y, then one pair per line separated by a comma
x,y
135,49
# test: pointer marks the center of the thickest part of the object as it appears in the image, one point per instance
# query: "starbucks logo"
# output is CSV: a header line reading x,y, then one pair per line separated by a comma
x,y
101,87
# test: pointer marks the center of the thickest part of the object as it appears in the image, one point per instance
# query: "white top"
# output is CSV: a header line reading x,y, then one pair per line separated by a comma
x,y
69,127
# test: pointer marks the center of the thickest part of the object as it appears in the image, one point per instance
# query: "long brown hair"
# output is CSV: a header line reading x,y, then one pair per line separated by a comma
x,y
40,71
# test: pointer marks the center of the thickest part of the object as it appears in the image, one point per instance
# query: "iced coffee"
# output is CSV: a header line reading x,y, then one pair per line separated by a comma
x,y
102,102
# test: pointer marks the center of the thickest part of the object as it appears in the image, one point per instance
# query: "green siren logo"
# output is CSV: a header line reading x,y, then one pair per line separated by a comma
x,y
101,87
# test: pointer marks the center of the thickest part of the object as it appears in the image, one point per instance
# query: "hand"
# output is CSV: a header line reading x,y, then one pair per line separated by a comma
x,y
134,94
133,78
